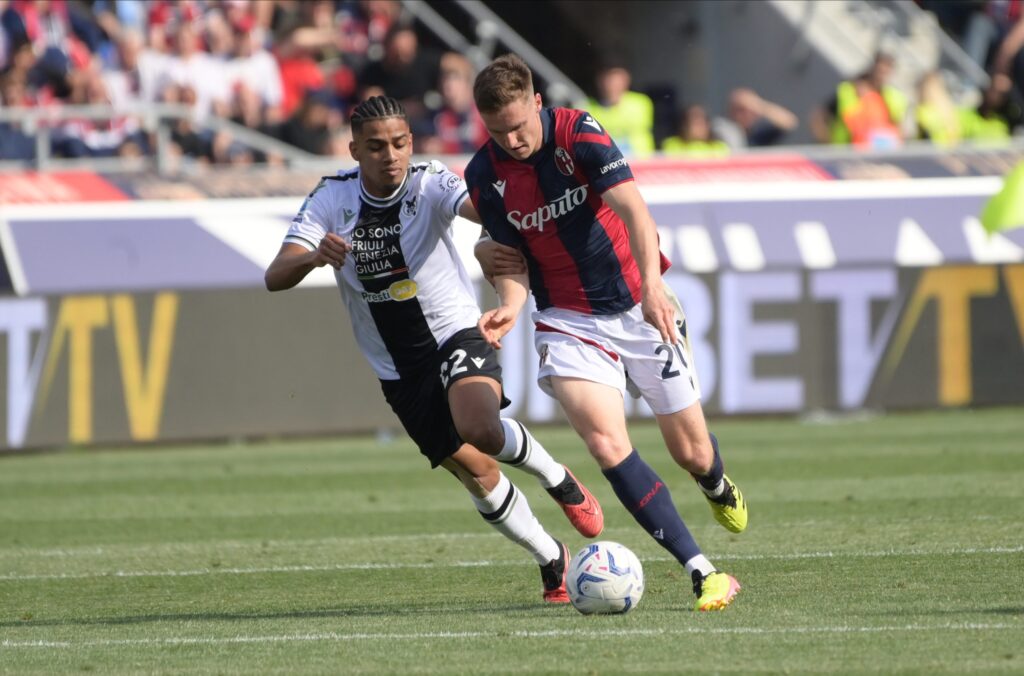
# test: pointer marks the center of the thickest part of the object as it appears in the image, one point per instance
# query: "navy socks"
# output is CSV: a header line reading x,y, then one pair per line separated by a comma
x,y
645,495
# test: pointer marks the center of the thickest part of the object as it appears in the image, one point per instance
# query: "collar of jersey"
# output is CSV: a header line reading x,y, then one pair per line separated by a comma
x,y
384,201
547,121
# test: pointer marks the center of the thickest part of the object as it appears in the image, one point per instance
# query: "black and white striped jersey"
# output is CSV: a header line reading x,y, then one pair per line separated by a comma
x,y
403,283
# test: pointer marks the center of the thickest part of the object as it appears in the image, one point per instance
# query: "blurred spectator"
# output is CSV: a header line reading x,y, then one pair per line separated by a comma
x,y
217,36
694,137
363,27
752,121
309,126
627,116
979,26
118,135
340,140
185,137
112,16
866,111
46,26
998,114
406,72
456,127
255,69
1008,60
938,118
299,72
166,13
311,25
14,143
137,73
955,18
190,67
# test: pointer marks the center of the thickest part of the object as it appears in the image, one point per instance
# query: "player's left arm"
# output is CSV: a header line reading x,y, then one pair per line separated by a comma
x,y
495,324
627,202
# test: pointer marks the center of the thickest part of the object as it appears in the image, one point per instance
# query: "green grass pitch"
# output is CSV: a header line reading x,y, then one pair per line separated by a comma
x,y
888,545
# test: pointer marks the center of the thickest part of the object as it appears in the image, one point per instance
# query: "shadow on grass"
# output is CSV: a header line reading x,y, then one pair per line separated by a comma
x,y
446,611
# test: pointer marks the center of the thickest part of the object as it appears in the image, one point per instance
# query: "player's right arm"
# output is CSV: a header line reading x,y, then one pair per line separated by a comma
x,y
293,261
309,243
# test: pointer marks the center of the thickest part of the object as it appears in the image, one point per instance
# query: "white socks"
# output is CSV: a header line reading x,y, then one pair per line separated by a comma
x,y
507,510
700,563
523,451
713,492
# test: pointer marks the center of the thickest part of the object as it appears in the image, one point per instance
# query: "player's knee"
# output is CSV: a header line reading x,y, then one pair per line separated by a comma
x,y
607,449
487,436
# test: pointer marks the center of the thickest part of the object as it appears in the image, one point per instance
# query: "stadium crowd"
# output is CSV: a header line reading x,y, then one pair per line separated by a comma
x,y
293,69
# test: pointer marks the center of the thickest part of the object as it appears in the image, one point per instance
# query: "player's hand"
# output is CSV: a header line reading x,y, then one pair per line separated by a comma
x,y
495,325
498,259
332,251
659,313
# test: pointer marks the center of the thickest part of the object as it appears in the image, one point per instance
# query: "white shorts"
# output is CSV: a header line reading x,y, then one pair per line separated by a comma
x,y
622,351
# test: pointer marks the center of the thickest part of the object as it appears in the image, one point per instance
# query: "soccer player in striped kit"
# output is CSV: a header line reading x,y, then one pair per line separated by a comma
x,y
385,229
551,183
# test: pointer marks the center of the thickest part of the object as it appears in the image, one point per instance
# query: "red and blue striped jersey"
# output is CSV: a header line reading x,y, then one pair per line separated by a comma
x,y
549,206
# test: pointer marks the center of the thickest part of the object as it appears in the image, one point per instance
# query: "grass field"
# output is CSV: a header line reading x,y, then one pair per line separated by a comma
x,y
889,545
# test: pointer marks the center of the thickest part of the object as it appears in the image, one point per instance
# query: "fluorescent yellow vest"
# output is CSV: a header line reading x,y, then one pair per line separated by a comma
x,y
978,128
941,131
630,122
847,100
675,145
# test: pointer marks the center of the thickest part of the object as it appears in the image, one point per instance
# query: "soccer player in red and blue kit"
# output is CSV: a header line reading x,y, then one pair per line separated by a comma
x,y
551,183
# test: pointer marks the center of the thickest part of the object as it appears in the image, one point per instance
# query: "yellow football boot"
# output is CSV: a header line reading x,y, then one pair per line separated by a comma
x,y
730,509
715,591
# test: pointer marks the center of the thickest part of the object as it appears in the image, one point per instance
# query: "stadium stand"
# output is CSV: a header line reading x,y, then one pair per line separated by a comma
x,y
193,83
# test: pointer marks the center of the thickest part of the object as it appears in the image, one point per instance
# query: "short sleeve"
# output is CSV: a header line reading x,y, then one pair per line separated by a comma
x,y
312,222
448,188
599,158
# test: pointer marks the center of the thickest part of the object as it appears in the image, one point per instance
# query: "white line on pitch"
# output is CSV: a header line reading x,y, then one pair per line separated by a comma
x,y
477,564
126,549
460,635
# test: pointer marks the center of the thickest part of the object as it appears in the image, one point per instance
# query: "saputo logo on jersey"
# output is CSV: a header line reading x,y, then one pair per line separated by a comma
x,y
572,198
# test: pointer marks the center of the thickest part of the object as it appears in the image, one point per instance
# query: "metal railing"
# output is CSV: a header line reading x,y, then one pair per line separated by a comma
x,y
156,119
491,30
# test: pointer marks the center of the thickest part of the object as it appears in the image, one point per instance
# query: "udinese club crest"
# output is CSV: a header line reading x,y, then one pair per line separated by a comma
x,y
563,161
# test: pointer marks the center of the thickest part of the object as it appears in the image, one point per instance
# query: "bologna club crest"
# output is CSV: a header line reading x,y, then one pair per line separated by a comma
x,y
563,161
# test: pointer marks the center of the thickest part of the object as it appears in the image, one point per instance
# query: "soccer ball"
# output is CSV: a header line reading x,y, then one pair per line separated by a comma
x,y
604,577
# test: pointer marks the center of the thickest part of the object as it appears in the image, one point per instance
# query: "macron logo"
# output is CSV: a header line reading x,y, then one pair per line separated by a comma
x,y
499,187
479,361
591,122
